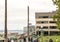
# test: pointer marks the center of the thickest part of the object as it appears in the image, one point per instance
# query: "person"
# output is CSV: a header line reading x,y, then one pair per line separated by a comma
x,y
8,40
31,39
12,40
24,39
56,40
38,39
50,40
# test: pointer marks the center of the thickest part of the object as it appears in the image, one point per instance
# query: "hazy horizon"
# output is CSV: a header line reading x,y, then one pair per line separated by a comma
x,y
17,12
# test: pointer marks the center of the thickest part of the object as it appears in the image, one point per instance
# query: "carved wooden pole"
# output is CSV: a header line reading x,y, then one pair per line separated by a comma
x,y
5,35
28,23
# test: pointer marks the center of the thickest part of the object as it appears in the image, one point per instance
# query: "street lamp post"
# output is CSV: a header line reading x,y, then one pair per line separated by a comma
x,y
41,33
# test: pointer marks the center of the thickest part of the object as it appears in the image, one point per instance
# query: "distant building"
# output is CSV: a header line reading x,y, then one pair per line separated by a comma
x,y
45,20
31,29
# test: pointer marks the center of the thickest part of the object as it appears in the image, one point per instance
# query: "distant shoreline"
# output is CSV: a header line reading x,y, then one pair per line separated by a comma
x,y
13,31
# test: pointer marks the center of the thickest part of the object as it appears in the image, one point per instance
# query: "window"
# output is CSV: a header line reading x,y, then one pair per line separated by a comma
x,y
45,27
38,22
45,17
52,22
41,22
53,27
44,21
40,16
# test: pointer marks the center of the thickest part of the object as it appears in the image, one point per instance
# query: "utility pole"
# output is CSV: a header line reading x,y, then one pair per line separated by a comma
x,y
5,35
28,22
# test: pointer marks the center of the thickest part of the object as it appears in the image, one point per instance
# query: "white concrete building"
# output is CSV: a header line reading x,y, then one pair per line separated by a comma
x,y
45,20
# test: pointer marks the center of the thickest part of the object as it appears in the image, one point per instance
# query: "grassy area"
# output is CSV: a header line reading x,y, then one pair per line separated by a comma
x,y
52,37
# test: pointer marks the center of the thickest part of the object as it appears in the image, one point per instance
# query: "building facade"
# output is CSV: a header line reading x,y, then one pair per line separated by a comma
x,y
31,29
45,22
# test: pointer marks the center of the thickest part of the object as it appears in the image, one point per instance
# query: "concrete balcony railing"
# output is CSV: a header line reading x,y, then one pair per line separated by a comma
x,y
49,29
46,25
44,19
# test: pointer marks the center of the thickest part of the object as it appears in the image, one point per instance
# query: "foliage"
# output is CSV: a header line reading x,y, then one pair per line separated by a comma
x,y
57,16
51,37
1,35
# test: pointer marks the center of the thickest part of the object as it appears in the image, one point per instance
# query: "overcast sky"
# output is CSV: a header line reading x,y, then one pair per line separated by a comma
x,y
17,12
